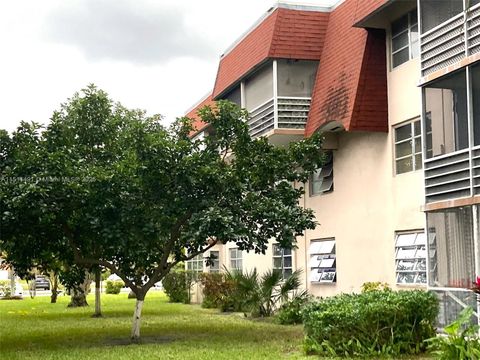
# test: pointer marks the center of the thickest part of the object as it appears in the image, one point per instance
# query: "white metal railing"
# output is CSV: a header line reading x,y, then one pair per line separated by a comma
x,y
292,113
450,42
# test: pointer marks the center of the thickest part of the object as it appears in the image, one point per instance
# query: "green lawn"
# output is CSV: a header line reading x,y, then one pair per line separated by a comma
x,y
36,329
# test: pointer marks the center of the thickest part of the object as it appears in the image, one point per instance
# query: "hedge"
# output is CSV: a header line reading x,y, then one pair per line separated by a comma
x,y
370,324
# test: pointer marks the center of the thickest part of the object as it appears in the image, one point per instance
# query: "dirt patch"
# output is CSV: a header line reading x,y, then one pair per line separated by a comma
x,y
125,341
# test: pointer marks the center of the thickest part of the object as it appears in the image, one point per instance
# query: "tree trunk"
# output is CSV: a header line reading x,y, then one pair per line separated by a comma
x,y
98,306
80,292
12,282
135,336
54,282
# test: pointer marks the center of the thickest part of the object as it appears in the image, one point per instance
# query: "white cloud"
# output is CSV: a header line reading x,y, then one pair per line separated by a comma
x,y
116,50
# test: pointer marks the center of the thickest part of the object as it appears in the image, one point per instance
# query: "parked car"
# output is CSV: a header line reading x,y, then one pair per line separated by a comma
x,y
42,283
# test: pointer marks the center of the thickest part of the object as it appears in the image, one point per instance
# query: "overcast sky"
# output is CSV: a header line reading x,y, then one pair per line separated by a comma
x,y
157,55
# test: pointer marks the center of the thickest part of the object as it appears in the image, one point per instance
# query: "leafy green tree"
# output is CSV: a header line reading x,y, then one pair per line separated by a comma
x,y
137,198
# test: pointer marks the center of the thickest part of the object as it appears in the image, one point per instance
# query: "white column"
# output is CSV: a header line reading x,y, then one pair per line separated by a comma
x,y
275,95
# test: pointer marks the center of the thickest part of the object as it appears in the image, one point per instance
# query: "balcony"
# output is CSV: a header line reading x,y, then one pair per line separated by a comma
x,y
451,41
287,113
453,175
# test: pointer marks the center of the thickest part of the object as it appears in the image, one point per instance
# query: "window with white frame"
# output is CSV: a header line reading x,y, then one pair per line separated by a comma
x,y
195,264
323,267
215,266
411,257
321,182
408,147
235,259
282,261
405,44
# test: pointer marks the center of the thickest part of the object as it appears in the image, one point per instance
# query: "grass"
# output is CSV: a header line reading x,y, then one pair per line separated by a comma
x,y
36,329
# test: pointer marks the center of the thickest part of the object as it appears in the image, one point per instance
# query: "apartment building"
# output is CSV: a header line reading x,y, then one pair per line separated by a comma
x,y
393,86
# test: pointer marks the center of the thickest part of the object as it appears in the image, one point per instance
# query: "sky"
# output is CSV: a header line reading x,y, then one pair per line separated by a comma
x,y
158,55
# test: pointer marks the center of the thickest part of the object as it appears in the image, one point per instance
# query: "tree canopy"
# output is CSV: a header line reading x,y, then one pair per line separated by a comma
x,y
106,186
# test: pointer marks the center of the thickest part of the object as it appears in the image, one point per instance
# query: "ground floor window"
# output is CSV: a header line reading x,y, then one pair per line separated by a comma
x,y
215,267
235,259
323,267
282,260
195,264
411,257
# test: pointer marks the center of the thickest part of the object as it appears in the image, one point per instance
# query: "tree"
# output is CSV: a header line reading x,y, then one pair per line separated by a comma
x,y
140,198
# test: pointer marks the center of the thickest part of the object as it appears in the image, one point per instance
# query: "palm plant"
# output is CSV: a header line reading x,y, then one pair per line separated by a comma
x,y
262,295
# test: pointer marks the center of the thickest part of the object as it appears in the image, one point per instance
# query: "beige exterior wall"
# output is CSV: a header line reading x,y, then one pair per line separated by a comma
x,y
369,203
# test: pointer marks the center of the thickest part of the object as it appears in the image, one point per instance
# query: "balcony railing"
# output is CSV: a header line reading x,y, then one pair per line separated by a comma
x,y
289,113
453,175
451,41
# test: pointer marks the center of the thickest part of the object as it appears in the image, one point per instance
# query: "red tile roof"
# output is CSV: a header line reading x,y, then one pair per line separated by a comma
x,y
285,33
198,124
351,84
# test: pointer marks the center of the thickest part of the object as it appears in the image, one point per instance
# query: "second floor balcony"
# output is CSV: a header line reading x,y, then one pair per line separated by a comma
x,y
450,32
452,135
279,113
277,96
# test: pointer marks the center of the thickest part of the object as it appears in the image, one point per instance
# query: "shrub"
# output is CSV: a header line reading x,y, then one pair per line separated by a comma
x,y
177,284
248,292
291,312
114,287
216,290
462,341
370,324
5,288
260,295
374,286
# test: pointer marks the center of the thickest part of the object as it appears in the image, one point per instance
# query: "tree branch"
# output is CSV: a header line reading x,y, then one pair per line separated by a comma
x,y
81,260
161,269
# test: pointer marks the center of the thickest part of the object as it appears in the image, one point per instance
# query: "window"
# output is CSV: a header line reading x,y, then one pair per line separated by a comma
x,y
195,264
323,267
446,114
215,267
408,147
411,258
235,259
321,182
405,45
282,260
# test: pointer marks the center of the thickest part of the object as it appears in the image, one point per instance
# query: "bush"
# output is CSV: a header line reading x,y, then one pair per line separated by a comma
x,y
216,290
114,287
291,312
177,284
374,286
370,324
462,341
5,288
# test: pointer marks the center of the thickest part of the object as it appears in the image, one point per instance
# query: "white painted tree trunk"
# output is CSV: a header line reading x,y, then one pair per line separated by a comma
x,y
136,320
12,282
98,288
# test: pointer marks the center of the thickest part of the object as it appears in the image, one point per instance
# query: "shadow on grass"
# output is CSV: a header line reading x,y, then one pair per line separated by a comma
x,y
143,341
236,331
